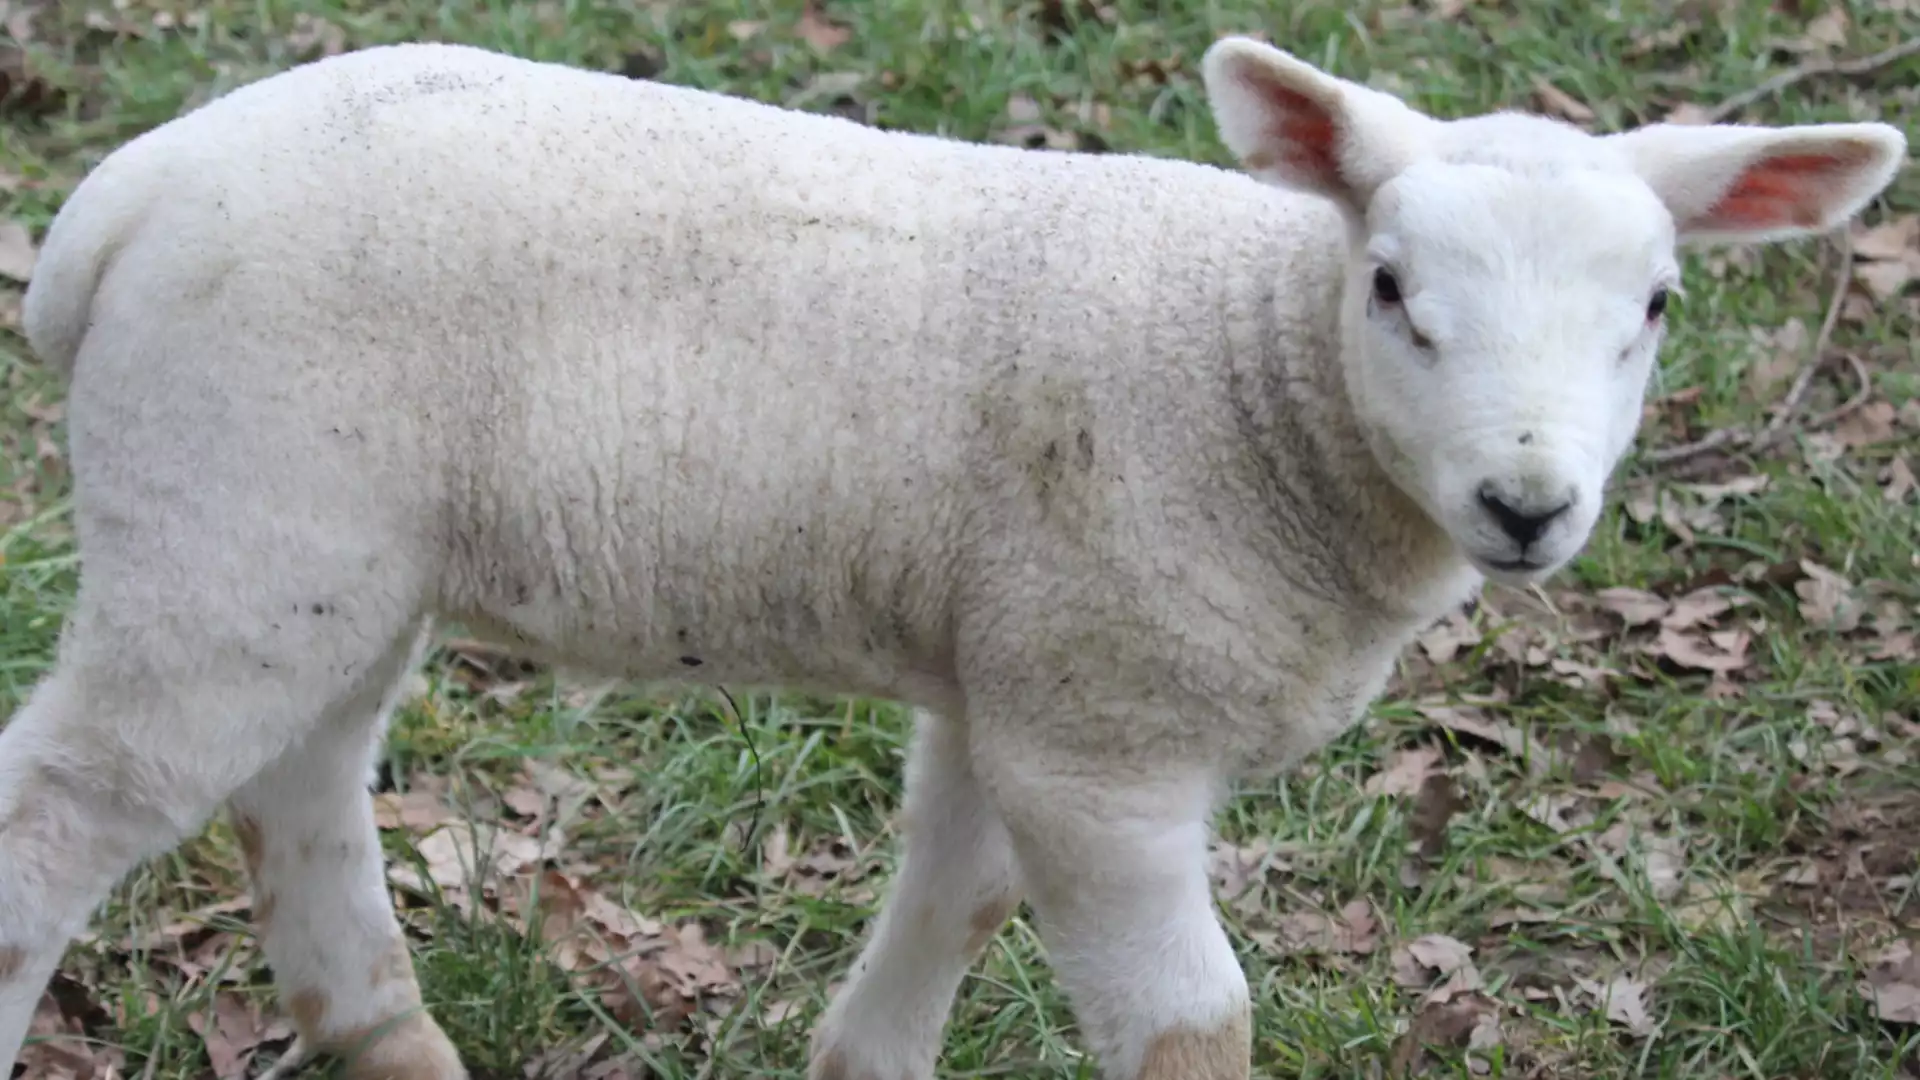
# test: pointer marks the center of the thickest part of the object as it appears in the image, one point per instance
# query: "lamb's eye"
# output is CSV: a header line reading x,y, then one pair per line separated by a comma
x,y
1386,289
1657,306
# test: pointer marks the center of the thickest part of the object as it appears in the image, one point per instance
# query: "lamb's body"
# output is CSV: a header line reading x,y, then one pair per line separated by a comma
x,y
641,377
1065,449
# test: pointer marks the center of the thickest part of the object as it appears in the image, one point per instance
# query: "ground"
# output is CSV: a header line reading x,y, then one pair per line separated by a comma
x,y
1658,819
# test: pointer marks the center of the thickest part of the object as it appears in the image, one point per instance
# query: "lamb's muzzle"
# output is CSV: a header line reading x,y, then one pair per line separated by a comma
x,y
1133,475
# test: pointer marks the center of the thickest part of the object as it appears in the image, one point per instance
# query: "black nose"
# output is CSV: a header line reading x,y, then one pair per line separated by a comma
x,y
1523,524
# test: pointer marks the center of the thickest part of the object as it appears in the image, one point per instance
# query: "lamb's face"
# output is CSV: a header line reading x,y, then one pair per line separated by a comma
x,y
1511,283
1501,327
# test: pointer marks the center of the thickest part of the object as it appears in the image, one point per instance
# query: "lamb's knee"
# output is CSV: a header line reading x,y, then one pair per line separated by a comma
x,y
1219,1053
987,919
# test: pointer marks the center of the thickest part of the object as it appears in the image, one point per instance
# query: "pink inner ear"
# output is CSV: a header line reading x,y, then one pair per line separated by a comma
x,y
1792,189
1301,135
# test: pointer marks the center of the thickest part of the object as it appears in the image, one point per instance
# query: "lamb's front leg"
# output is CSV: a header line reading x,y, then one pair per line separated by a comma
x,y
1114,858
954,889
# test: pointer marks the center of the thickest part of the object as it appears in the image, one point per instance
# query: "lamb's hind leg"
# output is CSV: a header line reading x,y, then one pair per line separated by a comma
x,y
157,710
955,887
320,902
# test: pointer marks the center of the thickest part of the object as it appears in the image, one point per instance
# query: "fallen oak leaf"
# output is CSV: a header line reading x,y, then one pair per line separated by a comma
x,y
1353,931
1900,481
1625,1001
1405,772
819,31
418,812
231,1037
1723,651
1827,599
1892,984
1449,957
1634,606
18,256
1470,1020
1557,102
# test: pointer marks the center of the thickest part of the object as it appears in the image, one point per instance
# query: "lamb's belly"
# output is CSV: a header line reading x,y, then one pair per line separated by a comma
x,y
764,597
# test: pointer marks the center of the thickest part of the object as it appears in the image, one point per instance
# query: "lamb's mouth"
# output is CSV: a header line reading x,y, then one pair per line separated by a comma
x,y
1515,566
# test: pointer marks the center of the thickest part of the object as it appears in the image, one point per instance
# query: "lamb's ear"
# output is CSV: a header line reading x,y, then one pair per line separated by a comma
x,y
1737,183
1290,123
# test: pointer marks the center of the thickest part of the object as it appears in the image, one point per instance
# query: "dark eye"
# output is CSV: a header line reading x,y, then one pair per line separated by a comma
x,y
1657,306
1385,288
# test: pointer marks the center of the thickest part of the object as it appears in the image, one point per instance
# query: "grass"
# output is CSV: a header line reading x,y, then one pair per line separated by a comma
x,y
1739,847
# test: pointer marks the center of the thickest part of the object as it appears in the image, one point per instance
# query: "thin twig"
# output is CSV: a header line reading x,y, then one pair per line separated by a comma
x,y
1791,403
1859,65
1734,438
1861,394
759,791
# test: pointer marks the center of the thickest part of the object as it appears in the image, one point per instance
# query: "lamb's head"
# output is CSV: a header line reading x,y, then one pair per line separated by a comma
x,y
1509,276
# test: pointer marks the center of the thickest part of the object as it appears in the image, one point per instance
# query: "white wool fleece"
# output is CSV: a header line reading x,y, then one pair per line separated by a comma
x,y
1133,475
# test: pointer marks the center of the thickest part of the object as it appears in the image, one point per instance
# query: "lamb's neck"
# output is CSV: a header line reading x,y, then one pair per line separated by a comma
x,y
1341,526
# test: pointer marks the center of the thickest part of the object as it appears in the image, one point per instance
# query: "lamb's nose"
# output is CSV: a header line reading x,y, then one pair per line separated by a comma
x,y
1523,522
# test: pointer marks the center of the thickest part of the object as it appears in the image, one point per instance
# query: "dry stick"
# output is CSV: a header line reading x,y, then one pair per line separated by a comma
x,y
1776,428
1860,65
1844,278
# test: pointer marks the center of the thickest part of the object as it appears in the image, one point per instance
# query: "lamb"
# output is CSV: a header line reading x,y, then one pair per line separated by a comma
x,y
1132,475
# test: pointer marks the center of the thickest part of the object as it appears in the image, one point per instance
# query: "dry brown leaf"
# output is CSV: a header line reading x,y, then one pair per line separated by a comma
x,y
1635,606
59,1050
461,856
1405,771
1354,931
1450,958
1892,984
1828,30
1665,863
17,253
313,38
821,32
418,812
1887,256
776,852
1471,1020
1723,651
1696,609
1445,639
524,801
1688,113
1433,807
236,1030
1827,599
1868,425
1237,868
1900,481
1782,351
1557,102
663,988
1625,1000
1469,721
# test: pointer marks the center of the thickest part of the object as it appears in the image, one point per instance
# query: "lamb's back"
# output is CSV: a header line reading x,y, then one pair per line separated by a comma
x,y
671,363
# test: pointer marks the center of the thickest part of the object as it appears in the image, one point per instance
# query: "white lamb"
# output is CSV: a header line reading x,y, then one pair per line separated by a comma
x,y
1134,475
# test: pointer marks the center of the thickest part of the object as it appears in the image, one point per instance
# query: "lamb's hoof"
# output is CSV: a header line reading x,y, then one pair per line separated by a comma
x,y
836,1064
412,1049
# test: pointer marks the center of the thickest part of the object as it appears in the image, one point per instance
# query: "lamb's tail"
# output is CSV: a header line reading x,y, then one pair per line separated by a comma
x,y
95,223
